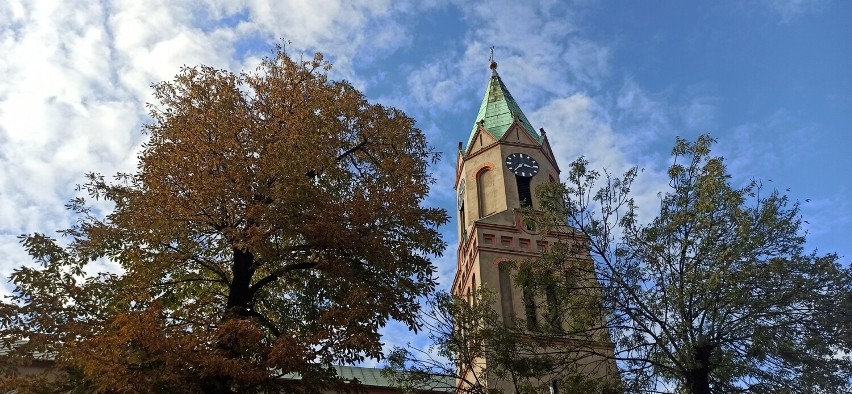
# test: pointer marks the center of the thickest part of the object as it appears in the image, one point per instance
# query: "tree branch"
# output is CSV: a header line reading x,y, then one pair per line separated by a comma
x,y
277,274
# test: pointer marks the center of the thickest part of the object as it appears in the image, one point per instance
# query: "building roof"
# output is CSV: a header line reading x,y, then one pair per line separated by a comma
x,y
365,376
373,378
499,110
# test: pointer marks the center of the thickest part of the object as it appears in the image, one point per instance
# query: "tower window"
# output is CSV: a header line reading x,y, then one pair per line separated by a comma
x,y
530,225
485,190
471,291
524,193
530,309
506,294
463,221
552,307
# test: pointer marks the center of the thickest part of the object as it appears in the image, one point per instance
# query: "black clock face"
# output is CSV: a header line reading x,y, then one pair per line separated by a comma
x,y
461,193
522,164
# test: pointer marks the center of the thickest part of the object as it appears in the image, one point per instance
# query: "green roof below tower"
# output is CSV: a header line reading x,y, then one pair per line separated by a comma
x,y
498,111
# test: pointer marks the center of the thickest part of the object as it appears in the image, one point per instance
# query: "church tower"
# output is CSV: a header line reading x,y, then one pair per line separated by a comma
x,y
498,169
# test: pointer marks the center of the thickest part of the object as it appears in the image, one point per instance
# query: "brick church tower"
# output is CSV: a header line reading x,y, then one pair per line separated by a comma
x,y
497,172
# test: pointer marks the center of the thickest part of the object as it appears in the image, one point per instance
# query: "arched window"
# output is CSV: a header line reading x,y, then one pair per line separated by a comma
x,y
485,192
530,307
553,312
473,292
506,293
463,221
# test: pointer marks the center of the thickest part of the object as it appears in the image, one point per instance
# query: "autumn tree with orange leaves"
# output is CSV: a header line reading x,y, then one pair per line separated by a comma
x,y
274,224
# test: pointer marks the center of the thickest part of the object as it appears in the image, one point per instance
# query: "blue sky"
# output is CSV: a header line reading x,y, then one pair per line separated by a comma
x,y
615,81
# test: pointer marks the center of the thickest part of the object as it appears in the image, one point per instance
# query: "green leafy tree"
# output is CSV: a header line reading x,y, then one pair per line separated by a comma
x,y
473,351
716,293
274,224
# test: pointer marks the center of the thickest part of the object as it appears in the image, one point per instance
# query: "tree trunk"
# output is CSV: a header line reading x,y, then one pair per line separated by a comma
x,y
239,296
239,303
698,378
698,383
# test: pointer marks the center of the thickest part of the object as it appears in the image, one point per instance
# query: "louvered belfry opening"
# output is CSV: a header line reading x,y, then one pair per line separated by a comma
x,y
524,193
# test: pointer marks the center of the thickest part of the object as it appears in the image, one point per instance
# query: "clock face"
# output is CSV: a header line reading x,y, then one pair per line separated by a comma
x,y
461,193
522,164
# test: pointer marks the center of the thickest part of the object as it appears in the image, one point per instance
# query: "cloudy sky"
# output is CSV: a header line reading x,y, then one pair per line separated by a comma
x,y
615,81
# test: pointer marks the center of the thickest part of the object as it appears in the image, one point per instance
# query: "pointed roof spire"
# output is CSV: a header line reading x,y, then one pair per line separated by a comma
x,y
499,109
491,63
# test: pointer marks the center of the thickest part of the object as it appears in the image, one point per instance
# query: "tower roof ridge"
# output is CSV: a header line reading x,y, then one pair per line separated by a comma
x,y
499,110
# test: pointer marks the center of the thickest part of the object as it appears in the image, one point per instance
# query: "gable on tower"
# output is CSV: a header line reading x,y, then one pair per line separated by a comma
x,y
548,151
517,133
479,139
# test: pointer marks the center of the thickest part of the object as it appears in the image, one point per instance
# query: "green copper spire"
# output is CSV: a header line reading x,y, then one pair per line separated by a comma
x,y
499,110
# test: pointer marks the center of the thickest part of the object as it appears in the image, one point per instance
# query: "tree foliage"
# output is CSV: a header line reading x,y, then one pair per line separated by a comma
x,y
473,347
275,222
716,293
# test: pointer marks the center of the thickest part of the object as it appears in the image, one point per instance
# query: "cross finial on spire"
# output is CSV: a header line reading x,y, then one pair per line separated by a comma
x,y
491,63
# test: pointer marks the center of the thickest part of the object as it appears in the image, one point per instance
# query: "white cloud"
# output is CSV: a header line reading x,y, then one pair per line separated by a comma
x,y
751,151
579,125
699,114
76,77
644,115
353,31
822,218
150,43
587,61
576,126
788,10
754,151
434,87
538,44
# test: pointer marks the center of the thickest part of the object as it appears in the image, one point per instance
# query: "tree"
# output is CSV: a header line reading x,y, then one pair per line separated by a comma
x,y
716,293
464,333
275,223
